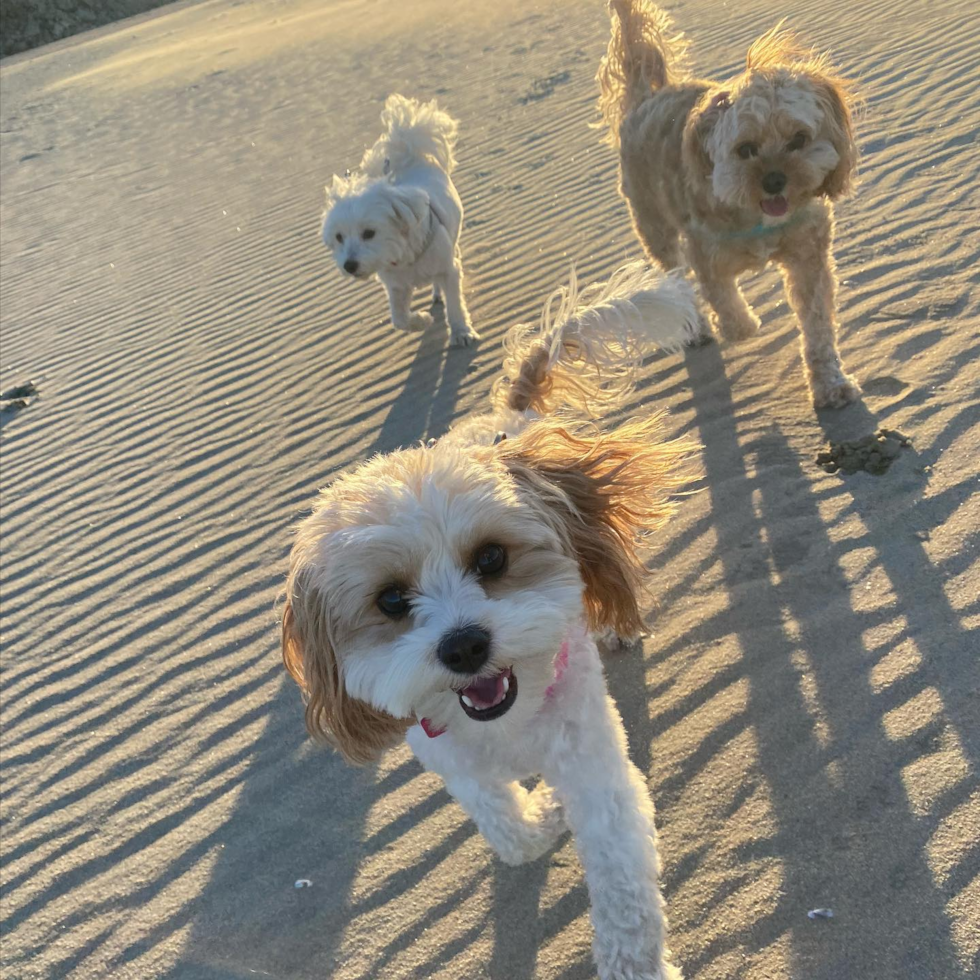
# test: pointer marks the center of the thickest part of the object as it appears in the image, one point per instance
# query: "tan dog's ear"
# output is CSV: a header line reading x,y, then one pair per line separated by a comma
x,y
357,730
599,492
835,101
700,123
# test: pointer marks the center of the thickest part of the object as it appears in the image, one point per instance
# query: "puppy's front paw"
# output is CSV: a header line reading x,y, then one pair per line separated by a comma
x,y
420,321
835,392
736,328
542,824
462,335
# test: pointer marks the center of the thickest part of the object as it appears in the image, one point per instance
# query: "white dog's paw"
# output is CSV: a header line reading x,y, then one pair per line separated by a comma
x,y
420,321
628,968
462,335
834,392
542,824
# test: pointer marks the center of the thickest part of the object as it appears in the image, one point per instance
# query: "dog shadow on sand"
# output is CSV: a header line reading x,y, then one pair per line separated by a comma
x,y
802,706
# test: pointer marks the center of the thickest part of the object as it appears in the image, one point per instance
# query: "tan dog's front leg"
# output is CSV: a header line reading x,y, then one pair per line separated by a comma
x,y
733,319
811,286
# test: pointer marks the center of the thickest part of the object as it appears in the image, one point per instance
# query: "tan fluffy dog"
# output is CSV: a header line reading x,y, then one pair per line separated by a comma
x,y
744,170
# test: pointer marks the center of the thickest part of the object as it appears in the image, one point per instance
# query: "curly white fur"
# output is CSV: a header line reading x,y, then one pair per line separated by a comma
x,y
400,217
564,503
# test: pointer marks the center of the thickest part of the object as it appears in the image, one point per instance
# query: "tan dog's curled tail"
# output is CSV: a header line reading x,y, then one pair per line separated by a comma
x,y
643,55
585,351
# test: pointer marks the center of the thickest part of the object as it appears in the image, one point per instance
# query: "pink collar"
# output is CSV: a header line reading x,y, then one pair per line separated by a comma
x,y
561,665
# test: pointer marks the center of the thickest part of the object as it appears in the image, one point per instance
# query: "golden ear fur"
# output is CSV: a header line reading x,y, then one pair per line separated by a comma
x,y
837,110
700,123
357,730
781,49
599,491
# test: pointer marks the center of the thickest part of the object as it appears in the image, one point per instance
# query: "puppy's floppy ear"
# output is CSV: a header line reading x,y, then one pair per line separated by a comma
x,y
410,207
357,730
599,491
835,102
700,124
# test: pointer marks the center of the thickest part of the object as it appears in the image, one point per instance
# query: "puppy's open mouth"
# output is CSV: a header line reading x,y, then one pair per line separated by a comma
x,y
489,697
775,206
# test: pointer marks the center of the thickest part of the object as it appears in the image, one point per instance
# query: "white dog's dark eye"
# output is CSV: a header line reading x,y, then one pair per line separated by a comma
x,y
491,559
392,602
368,234
746,150
340,238
797,142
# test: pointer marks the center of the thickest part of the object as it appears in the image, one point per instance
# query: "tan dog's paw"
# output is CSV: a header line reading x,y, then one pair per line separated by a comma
x,y
734,329
836,392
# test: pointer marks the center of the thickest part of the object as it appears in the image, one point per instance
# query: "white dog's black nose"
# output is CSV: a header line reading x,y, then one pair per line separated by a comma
x,y
350,266
464,650
774,182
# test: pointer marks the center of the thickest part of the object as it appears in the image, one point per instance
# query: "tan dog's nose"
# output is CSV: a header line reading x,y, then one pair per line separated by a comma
x,y
774,182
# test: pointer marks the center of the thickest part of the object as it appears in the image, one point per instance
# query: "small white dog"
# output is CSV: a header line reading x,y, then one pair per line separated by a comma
x,y
400,217
452,591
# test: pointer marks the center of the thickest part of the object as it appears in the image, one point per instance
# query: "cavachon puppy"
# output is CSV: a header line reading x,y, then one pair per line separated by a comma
x,y
449,593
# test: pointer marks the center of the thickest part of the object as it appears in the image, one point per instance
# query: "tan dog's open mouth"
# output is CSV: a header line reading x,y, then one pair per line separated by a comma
x,y
775,206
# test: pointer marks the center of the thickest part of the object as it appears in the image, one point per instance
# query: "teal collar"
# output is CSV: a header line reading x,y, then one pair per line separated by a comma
x,y
761,230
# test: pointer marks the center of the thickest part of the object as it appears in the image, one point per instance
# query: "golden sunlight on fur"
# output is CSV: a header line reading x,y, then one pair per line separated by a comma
x,y
727,177
600,492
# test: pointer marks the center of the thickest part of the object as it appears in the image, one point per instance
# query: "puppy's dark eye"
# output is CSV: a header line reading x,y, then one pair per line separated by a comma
x,y
368,234
340,238
392,602
491,559
747,150
797,142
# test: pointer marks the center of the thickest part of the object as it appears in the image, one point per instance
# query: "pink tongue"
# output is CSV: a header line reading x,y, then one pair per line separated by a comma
x,y
486,692
775,206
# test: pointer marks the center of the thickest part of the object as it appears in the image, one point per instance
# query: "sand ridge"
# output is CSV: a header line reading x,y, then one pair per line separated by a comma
x,y
806,704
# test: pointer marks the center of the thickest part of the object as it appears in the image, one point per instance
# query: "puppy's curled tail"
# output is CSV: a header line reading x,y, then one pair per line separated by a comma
x,y
643,55
585,351
414,132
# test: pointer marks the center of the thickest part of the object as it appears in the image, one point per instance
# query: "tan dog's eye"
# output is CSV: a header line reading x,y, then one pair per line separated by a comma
x,y
368,234
491,559
797,142
392,602
340,238
746,150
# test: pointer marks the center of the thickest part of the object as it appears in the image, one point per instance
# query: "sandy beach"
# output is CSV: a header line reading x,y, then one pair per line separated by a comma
x,y
807,704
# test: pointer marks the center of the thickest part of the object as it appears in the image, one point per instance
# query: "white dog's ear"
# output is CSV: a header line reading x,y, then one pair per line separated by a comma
x,y
599,491
835,102
335,190
700,124
356,729
410,208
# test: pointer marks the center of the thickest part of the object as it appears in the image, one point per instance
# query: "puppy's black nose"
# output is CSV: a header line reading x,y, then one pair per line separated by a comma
x,y
350,266
464,650
774,182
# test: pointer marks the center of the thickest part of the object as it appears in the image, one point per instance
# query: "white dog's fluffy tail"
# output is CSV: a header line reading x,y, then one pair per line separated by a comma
x,y
643,55
414,132
589,344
